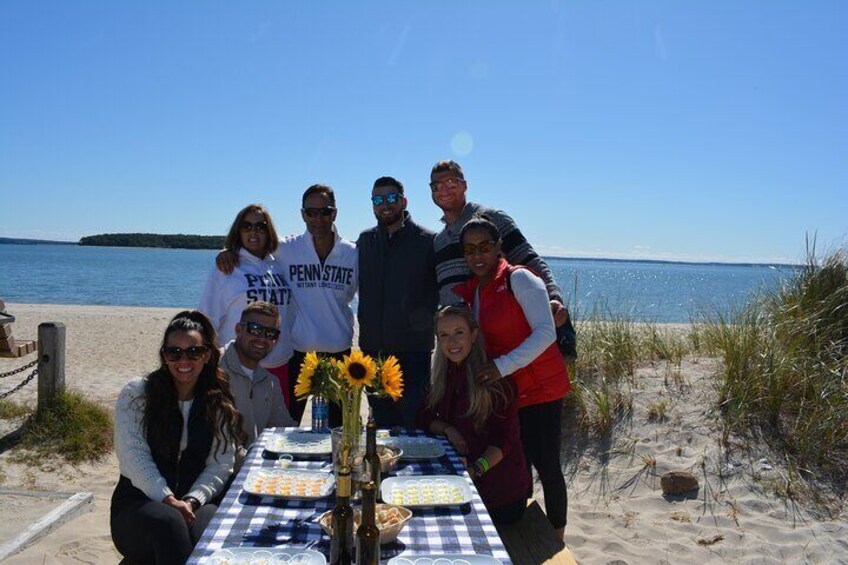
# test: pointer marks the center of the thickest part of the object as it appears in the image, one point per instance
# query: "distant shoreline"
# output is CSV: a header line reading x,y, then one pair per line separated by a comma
x,y
23,241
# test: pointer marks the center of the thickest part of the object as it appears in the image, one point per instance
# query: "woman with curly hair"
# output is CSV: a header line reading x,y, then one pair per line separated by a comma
x,y
481,421
176,432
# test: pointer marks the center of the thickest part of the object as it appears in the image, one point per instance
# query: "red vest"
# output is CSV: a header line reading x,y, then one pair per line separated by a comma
x,y
504,326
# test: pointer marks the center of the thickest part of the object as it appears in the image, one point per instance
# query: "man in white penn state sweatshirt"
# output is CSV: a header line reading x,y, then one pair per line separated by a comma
x,y
256,391
321,270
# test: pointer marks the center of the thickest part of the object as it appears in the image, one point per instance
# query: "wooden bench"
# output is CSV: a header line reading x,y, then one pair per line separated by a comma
x,y
532,540
9,346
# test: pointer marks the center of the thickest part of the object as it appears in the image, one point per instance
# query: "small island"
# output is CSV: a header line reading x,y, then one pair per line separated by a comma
x,y
168,241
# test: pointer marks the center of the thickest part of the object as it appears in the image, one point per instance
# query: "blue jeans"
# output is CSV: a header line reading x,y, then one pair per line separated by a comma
x,y
416,382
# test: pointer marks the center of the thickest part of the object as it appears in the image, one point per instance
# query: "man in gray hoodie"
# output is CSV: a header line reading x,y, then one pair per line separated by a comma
x,y
256,391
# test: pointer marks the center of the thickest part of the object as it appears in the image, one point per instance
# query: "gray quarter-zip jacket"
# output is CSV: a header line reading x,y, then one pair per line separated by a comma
x,y
259,400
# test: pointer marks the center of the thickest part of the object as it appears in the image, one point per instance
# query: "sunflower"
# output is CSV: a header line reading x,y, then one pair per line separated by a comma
x,y
391,378
358,370
307,370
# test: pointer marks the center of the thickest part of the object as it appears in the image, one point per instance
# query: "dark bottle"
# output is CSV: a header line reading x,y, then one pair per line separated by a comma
x,y
341,521
372,460
368,535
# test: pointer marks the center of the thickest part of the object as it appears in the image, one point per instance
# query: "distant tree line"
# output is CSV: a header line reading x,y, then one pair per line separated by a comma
x,y
168,241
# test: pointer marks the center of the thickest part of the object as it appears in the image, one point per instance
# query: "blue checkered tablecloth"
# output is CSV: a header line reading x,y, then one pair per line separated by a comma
x,y
245,520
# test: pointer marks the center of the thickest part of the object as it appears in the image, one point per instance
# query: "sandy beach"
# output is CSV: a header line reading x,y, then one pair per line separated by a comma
x,y
617,512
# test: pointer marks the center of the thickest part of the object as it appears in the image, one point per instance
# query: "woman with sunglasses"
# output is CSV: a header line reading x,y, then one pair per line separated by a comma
x,y
512,307
176,432
254,239
320,268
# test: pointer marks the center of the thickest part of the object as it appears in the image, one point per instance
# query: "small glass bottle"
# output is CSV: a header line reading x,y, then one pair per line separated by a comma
x,y
320,414
341,521
368,534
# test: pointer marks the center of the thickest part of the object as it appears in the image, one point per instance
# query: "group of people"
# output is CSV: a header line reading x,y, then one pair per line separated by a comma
x,y
470,312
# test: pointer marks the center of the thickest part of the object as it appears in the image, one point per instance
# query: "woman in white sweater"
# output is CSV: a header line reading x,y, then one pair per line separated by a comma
x,y
176,432
256,277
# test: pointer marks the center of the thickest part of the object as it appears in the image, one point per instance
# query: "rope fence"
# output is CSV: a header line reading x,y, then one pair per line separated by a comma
x,y
49,365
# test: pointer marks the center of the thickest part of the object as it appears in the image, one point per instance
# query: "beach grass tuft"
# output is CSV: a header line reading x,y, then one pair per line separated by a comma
x,y
10,410
785,367
612,346
72,427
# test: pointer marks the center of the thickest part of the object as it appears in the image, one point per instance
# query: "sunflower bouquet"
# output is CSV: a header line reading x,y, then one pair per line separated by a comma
x,y
343,381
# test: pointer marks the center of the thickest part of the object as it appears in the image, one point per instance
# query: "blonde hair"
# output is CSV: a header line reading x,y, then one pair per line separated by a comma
x,y
484,400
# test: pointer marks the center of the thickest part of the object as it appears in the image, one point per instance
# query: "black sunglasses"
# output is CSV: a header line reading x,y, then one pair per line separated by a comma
x,y
314,212
259,330
258,227
173,354
390,198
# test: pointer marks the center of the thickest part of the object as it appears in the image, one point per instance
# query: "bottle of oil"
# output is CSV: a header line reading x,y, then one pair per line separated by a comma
x,y
372,460
341,521
368,535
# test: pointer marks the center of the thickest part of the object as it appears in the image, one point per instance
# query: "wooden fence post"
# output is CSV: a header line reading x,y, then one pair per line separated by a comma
x,y
51,362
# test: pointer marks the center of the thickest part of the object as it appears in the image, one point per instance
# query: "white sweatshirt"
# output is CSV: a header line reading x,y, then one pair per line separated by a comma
x,y
135,460
226,296
321,292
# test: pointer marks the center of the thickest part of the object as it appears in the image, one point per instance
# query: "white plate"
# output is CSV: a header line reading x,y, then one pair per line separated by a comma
x,y
436,559
417,447
420,491
266,556
299,442
289,480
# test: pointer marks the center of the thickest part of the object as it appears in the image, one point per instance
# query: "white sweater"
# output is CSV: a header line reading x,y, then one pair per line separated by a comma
x,y
135,460
226,296
321,291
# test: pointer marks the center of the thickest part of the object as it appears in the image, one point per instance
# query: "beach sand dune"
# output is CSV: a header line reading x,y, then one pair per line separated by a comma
x,y
617,512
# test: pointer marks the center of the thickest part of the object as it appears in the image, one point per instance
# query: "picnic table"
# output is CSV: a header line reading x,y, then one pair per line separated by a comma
x,y
246,520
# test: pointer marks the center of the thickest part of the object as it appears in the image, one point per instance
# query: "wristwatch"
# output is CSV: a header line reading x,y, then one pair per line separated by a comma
x,y
195,504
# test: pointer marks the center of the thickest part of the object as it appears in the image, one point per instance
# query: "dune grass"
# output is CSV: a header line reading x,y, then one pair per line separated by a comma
x,y
611,347
72,427
785,367
10,410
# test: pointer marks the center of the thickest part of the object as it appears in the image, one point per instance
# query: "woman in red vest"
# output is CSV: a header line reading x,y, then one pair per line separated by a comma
x,y
514,313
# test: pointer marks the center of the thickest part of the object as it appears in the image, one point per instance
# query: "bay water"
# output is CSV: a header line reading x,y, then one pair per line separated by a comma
x,y
121,276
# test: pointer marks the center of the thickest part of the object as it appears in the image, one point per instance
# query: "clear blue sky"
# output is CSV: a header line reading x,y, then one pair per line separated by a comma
x,y
676,130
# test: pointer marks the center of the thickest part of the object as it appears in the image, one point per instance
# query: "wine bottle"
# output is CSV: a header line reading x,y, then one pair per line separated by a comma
x,y
341,521
368,535
372,460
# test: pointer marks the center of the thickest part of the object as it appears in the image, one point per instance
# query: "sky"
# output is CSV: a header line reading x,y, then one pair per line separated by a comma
x,y
690,131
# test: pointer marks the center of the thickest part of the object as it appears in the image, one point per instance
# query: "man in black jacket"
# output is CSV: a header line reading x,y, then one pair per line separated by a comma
x,y
397,298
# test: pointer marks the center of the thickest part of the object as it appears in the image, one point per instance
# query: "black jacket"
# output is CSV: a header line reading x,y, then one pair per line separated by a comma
x,y
397,289
179,470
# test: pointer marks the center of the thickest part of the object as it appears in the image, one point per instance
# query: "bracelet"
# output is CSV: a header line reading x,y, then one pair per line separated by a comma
x,y
483,465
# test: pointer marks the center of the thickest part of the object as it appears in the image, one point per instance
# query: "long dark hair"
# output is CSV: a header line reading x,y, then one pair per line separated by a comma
x,y
212,390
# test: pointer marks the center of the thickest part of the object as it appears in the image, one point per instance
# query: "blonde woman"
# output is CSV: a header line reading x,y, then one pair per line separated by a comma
x,y
481,421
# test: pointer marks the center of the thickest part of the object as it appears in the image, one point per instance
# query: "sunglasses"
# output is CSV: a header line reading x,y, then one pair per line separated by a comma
x,y
258,227
259,330
173,354
390,198
482,247
448,183
315,212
